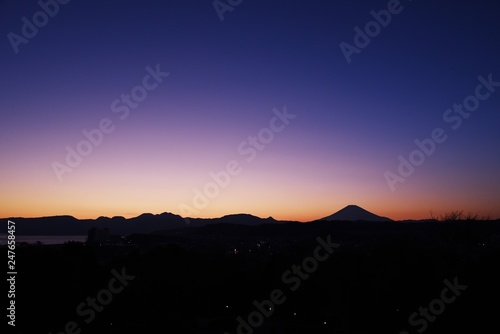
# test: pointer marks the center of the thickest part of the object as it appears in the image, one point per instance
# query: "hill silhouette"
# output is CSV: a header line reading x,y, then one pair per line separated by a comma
x,y
144,223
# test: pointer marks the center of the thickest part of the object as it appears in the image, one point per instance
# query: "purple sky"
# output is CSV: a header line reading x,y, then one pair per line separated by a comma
x,y
227,81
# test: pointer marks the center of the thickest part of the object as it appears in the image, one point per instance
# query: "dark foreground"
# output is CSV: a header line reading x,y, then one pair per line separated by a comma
x,y
289,278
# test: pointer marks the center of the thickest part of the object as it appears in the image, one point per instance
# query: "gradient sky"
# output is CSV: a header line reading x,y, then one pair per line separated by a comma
x,y
353,120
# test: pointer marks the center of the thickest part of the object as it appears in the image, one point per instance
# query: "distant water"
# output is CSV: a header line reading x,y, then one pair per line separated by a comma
x,y
44,239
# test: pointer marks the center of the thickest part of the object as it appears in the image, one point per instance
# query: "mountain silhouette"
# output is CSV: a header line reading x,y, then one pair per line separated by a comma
x,y
144,223
355,213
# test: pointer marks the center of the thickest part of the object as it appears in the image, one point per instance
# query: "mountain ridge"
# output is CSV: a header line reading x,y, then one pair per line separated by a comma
x,y
144,223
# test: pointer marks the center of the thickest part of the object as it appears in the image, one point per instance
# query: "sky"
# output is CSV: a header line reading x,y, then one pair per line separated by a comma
x,y
274,108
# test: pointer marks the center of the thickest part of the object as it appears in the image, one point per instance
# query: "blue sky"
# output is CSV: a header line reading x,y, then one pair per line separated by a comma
x,y
353,119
